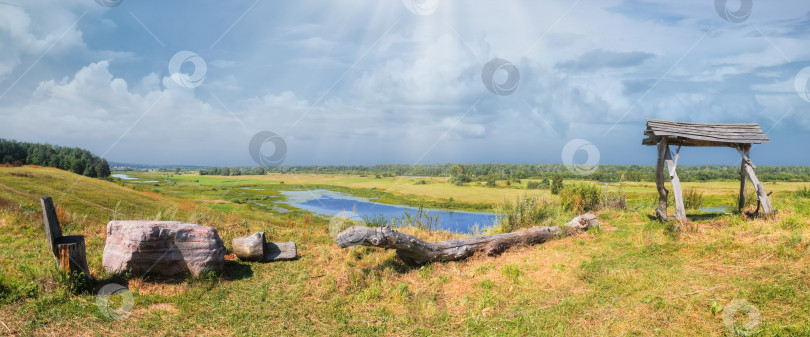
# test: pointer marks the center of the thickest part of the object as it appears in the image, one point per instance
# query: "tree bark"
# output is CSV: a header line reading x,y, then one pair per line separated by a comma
x,y
416,251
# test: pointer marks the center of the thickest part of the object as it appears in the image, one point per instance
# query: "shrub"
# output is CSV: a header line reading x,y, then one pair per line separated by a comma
x,y
614,200
491,181
421,182
525,212
692,199
556,184
580,197
803,192
531,185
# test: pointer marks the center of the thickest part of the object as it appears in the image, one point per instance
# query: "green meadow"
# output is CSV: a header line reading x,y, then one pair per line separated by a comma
x,y
635,275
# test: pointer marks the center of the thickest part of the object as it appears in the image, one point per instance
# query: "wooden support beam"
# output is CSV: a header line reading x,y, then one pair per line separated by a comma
x,y
743,148
748,166
680,212
659,180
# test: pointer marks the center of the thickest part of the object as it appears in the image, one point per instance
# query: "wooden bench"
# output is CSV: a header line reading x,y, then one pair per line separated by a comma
x,y
69,250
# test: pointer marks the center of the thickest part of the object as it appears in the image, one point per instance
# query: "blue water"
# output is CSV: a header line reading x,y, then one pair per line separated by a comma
x,y
715,209
331,203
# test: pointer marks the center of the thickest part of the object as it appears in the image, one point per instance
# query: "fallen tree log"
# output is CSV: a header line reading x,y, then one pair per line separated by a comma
x,y
254,248
414,250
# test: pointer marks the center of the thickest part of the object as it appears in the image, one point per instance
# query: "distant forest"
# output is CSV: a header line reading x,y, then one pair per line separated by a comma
x,y
71,159
482,172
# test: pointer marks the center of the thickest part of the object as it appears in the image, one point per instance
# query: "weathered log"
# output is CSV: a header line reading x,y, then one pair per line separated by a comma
x,y
414,250
254,248
72,254
249,248
279,251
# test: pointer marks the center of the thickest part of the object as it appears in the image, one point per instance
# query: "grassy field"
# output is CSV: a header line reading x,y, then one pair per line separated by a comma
x,y
634,276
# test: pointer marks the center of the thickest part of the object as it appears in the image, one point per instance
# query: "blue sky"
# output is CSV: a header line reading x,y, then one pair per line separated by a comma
x,y
400,81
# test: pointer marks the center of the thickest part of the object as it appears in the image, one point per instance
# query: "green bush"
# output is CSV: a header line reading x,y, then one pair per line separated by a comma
x,y
580,197
556,184
692,199
803,192
531,185
526,211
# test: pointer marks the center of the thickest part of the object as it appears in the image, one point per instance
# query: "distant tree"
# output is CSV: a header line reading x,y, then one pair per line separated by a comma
x,y
458,175
556,184
491,180
102,169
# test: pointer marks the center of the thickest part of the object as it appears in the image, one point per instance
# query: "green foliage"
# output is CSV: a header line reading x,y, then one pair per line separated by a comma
x,y
526,211
491,181
511,272
557,184
12,290
71,159
421,220
420,182
580,197
715,308
802,192
692,199
458,175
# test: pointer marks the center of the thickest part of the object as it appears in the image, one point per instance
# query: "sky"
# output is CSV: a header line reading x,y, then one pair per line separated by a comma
x,y
354,82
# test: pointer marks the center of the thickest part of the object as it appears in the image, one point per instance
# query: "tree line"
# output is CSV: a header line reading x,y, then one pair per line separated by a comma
x,y
514,172
73,159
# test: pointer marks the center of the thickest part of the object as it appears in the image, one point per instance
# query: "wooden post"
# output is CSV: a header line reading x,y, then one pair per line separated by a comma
x,y
748,166
659,180
53,230
672,164
742,148
69,251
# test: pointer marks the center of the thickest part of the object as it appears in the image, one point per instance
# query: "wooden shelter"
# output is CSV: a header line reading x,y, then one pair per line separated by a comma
x,y
662,134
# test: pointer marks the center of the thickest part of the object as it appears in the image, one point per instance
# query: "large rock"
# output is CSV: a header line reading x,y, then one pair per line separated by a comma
x,y
166,248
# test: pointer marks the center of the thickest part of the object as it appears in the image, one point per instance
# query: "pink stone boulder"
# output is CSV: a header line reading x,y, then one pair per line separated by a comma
x,y
165,248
